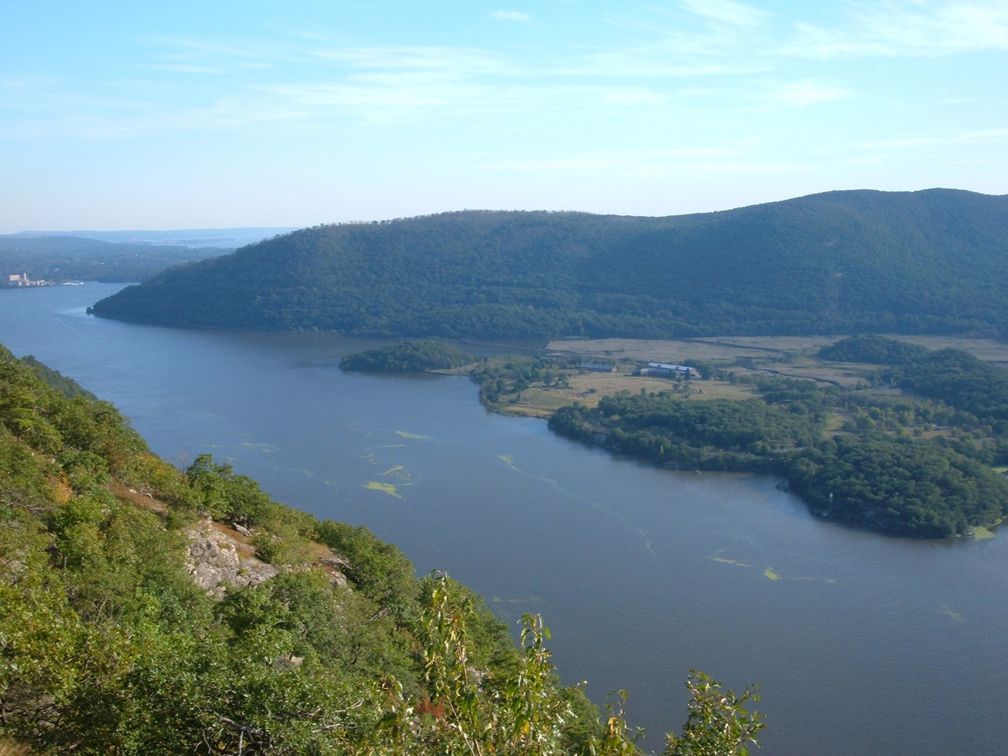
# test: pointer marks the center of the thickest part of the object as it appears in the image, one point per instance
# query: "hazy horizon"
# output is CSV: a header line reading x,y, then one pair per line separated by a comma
x,y
32,232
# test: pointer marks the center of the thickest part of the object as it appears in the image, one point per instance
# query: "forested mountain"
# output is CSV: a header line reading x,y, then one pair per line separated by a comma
x,y
934,261
71,258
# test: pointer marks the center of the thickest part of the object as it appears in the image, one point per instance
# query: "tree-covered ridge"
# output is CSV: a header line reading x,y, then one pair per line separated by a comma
x,y
107,645
70,258
407,357
840,262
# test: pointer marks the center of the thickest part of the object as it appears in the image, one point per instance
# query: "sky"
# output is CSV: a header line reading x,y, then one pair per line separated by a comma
x,y
216,113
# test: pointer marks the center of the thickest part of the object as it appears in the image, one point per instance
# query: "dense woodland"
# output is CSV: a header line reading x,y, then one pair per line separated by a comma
x,y
934,261
952,376
70,258
407,357
917,466
108,646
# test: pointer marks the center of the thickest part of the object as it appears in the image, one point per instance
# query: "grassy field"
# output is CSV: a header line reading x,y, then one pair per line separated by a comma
x,y
716,348
793,356
589,388
789,356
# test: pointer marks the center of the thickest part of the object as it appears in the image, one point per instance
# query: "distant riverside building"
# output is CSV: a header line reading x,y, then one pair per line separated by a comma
x,y
668,370
21,281
598,367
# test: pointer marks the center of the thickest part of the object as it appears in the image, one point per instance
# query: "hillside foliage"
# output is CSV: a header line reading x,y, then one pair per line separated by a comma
x,y
934,261
108,646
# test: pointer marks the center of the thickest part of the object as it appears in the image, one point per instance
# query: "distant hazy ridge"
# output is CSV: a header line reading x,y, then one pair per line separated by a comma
x,y
930,261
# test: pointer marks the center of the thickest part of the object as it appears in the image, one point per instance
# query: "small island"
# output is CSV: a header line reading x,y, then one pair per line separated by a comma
x,y
407,357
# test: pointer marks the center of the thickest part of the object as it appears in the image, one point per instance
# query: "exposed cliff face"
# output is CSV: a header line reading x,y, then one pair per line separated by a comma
x,y
219,558
218,561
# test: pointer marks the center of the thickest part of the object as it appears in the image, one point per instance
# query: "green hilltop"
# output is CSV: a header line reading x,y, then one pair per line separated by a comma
x,y
841,262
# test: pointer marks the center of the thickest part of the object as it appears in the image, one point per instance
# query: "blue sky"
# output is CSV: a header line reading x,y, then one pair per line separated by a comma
x,y
184,114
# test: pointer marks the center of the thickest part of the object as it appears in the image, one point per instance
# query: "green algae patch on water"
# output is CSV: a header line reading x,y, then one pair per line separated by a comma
x,y
726,560
951,613
508,460
980,533
771,574
413,436
398,472
386,488
264,448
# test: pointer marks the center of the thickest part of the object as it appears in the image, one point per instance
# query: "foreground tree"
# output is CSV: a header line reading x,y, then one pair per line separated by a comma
x,y
719,723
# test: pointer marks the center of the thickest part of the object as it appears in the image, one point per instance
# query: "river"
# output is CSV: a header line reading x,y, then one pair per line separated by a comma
x,y
861,644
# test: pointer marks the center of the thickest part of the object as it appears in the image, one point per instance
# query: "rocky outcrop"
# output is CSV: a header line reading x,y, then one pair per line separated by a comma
x,y
218,561
335,566
219,557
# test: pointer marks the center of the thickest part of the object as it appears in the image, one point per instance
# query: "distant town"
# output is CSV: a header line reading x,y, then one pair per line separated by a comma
x,y
22,281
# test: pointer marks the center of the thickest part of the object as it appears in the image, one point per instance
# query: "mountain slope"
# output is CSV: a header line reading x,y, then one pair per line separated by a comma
x,y
933,261
145,610
107,644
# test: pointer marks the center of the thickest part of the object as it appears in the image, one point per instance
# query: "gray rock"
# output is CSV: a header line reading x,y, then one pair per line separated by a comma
x,y
217,561
335,566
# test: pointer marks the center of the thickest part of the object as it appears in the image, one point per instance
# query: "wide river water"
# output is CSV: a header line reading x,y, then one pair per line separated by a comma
x,y
861,644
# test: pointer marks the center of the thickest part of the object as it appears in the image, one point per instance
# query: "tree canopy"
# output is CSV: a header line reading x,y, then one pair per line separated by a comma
x,y
840,262
407,357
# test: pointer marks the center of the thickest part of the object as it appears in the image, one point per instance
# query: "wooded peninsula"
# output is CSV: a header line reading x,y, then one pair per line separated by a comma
x,y
923,462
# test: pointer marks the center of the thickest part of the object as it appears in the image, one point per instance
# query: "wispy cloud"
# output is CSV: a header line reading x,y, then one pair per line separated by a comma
x,y
511,15
725,12
631,163
802,94
185,68
974,136
650,63
25,82
584,164
920,28
463,60
403,96
739,58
